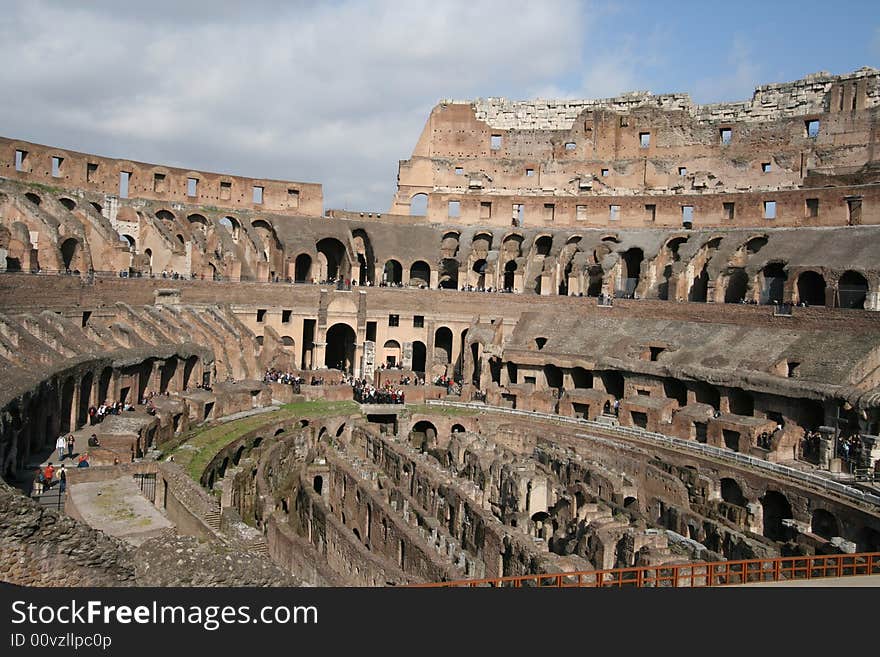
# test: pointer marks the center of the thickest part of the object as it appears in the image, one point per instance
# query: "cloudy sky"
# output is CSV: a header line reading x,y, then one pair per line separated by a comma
x,y
338,92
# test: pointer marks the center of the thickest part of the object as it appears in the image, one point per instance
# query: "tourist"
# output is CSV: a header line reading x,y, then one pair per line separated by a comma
x,y
83,461
62,479
61,445
48,475
71,444
39,478
93,441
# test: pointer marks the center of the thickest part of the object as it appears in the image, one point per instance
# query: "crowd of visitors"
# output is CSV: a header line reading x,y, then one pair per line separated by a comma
x,y
98,413
367,393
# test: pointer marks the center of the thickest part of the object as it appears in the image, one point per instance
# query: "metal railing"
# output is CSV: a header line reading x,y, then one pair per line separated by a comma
x,y
825,483
690,575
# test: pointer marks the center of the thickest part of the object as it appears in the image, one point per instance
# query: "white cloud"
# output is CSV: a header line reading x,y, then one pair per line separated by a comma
x,y
332,93
737,82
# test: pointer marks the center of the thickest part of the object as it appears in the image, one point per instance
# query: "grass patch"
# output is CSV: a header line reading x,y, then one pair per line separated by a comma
x,y
445,411
198,446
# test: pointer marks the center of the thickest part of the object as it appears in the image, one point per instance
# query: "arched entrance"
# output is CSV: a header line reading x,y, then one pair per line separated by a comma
x,y
775,277
443,341
340,348
336,260
632,267
419,357
71,253
418,205
700,288
737,286
852,290
776,509
509,275
302,268
393,273
480,270
420,274
448,279
824,524
811,288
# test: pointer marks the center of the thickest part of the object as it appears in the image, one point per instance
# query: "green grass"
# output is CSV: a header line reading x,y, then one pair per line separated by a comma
x,y
445,411
197,447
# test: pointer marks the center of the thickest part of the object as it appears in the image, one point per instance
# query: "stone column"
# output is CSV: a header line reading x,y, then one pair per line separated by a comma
x,y
318,353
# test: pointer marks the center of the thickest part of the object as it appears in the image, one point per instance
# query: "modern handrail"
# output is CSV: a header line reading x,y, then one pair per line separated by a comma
x,y
689,575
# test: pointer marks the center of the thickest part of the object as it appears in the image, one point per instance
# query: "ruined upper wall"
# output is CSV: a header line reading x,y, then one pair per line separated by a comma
x,y
640,155
819,92
93,173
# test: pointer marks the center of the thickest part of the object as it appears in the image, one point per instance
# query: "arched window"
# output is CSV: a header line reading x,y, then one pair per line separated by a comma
x,y
418,205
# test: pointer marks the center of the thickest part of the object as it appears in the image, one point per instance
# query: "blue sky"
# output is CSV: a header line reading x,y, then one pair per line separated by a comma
x,y
338,92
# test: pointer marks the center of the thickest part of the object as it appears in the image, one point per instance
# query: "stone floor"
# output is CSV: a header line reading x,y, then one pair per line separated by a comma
x,y
118,508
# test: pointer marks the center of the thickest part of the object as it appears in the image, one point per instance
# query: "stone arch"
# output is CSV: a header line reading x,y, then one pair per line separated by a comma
x,y
457,428
418,205
391,352
129,241
776,509
71,254
852,290
232,225
33,198
336,265
774,278
755,244
824,524
448,278
419,357
479,268
731,492
543,245
581,378
482,242
340,348
420,273
166,215
68,203
737,286
631,267
302,268
811,288
699,291
392,273
509,275
443,341
363,250
198,220
449,244
423,434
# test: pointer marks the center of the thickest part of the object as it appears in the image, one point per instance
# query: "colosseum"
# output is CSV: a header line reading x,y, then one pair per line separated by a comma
x,y
679,363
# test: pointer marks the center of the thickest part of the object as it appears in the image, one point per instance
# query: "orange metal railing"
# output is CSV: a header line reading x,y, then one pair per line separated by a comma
x,y
719,573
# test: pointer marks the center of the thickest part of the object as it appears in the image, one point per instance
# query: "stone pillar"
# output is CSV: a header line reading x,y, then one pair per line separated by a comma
x,y
435,279
155,376
826,447
318,353
358,359
871,445
74,405
406,351
176,382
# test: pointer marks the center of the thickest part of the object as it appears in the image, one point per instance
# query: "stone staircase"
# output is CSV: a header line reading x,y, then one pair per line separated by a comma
x,y
608,420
